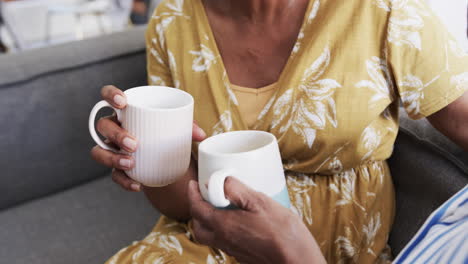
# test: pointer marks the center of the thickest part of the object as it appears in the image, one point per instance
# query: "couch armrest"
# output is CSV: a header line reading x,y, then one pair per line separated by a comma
x,y
45,99
427,169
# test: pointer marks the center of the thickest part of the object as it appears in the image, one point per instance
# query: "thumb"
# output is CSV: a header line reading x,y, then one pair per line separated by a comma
x,y
242,196
197,133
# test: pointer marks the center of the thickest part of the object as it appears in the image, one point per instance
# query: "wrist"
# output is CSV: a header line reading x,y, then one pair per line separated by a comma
x,y
172,200
299,246
308,253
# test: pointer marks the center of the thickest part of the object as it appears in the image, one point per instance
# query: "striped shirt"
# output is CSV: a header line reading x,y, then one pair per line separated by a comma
x,y
444,236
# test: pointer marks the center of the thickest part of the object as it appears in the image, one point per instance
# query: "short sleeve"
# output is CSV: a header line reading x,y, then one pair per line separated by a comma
x,y
429,66
157,65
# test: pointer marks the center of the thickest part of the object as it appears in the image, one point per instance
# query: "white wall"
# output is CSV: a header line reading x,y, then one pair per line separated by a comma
x,y
453,14
28,19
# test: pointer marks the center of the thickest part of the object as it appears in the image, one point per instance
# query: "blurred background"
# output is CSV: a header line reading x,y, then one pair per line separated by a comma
x,y
27,24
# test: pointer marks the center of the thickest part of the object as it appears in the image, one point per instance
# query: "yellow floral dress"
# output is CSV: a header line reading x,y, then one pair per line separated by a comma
x,y
334,112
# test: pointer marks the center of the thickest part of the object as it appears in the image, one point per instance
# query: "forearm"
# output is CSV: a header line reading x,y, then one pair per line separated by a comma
x,y
458,133
452,121
461,138
305,251
172,200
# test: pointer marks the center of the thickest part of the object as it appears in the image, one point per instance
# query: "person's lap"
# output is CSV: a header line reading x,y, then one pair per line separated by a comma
x,y
344,213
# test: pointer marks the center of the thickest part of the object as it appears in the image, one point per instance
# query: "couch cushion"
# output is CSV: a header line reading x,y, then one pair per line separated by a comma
x,y
45,99
86,224
427,169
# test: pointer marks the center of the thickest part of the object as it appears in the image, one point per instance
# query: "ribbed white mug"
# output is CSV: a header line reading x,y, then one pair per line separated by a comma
x,y
160,118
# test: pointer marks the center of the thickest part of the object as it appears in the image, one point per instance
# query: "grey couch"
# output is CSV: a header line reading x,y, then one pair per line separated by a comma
x,y
58,206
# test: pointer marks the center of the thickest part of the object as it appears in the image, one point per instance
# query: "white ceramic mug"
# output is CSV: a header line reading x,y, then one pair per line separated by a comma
x,y
160,118
253,157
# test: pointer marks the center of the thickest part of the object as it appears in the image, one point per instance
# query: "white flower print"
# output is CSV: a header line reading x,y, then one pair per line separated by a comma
x,y
175,10
347,184
370,231
411,97
371,139
138,253
176,7
345,248
310,17
387,113
297,45
365,173
291,163
314,11
156,80
204,58
168,242
406,21
335,166
232,96
382,4
307,133
217,259
282,107
162,27
173,67
210,260
460,81
299,186
159,260
224,124
391,127
266,108
385,256
378,170
381,83
316,105
155,53
413,92
264,111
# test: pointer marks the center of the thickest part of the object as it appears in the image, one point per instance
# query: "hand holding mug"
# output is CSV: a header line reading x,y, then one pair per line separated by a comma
x,y
121,140
253,157
260,231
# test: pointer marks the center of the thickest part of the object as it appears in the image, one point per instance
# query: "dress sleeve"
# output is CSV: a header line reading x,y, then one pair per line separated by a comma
x,y
429,66
156,56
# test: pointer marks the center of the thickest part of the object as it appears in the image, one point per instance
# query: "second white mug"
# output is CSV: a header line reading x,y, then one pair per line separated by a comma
x,y
253,157
160,118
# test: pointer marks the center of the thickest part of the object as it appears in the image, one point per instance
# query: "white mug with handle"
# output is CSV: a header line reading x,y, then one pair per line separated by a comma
x,y
160,118
253,157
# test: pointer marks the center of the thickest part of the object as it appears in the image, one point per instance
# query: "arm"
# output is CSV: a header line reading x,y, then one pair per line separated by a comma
x,y
452,121
172,200
259,231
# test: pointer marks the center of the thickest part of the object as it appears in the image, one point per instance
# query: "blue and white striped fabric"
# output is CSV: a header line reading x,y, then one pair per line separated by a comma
x,y
444,236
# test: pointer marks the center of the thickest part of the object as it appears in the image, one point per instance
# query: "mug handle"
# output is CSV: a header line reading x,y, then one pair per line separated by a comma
x,y
92,129
216,188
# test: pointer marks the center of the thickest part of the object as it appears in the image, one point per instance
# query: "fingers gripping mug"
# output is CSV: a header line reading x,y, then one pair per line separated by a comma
x,y
253,157
160,118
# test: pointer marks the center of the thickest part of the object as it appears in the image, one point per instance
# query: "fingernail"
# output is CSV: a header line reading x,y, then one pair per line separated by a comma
x,y
200,132
135,187
119,100
129,143
125,163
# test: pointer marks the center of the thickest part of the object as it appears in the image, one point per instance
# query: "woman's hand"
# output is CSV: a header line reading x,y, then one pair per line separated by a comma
x,y
260,231
110,128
